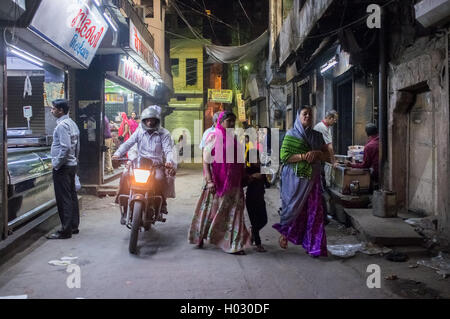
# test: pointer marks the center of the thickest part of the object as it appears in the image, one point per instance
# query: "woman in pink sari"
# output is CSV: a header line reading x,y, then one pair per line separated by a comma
x,y
219,215
133,124
124,129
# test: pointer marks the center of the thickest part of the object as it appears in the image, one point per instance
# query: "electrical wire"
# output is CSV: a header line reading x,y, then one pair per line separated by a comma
x,y
181,15
204,14
336,31
209,20
245,12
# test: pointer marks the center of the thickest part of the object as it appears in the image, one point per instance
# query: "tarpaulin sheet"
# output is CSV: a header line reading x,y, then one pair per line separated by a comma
x,y
238,54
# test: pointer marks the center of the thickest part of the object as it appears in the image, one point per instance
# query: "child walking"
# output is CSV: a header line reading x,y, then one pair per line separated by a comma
x,y
254,200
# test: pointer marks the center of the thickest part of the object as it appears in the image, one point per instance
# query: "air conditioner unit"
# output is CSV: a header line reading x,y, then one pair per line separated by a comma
x,y
431,12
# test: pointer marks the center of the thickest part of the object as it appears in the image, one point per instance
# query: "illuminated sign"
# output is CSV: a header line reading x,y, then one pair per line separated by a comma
x,y
138,45
220,96
76,27
131,72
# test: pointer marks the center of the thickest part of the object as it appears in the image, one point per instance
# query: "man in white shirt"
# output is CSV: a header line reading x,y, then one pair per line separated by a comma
x,y
153,142
211,129
325,127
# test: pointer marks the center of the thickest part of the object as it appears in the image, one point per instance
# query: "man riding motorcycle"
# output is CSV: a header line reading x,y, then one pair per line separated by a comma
x,y
153,142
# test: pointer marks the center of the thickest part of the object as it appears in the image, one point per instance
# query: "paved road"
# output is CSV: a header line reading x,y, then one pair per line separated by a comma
x,y
168,267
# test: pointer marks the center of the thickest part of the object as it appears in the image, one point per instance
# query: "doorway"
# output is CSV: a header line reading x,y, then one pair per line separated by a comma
x,y
421,158
343,131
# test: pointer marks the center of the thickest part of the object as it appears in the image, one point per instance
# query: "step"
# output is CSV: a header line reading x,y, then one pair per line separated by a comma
x,y
383,231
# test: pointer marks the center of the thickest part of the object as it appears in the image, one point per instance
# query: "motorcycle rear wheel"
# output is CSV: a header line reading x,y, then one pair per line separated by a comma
x,y
135,225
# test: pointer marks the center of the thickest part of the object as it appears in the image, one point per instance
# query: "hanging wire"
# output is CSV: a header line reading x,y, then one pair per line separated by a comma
x,y
204,14
209,20
245,12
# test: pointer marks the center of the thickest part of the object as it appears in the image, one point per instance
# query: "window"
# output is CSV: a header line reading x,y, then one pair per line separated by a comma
x,y
175,67
191,71
148,8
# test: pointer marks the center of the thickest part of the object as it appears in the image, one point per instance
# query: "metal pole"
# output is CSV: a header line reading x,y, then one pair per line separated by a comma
x,y
382,100
3,141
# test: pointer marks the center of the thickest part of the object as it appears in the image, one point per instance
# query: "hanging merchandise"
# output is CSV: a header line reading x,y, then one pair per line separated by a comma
x,y
53,91
27,87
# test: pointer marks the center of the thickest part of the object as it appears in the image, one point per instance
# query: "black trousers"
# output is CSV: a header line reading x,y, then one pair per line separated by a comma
x,y
66,198
256,208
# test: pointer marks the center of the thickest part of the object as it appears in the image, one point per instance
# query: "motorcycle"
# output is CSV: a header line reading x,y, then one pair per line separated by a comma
x,y
144,206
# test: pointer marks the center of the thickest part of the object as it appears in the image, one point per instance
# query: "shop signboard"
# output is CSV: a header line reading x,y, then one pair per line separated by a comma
x,y
139,46
241,107
156,63
76,27
220,96
130,71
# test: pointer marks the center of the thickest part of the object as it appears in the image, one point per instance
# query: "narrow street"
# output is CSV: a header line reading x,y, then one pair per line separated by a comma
x,y
168,267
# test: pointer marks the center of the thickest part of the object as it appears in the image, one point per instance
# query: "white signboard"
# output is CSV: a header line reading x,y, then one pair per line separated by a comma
x,y
27,111
131,72
75,27
138,45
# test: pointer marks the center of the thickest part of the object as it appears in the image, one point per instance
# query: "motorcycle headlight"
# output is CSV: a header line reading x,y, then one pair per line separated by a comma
x,y
141,175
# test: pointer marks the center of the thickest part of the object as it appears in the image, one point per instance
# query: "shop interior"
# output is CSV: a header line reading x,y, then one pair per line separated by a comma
x,y
32,86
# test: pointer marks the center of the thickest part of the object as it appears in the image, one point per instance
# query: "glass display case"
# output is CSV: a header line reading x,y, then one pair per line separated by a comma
x,y
30,183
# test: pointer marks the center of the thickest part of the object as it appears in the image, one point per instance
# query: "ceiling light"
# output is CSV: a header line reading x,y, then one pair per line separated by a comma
x,y
109,21
26,56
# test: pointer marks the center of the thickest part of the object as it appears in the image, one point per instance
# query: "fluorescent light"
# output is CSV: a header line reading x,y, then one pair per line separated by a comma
x,y
328,65
97,2
109,21
26,57
25,52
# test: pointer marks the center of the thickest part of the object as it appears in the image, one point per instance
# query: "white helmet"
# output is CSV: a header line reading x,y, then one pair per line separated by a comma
x,y
151,112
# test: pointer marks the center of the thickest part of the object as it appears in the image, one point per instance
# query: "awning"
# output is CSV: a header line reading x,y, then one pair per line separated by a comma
x,y
299,24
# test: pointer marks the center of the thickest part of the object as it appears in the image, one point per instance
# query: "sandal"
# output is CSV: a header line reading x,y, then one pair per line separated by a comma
x,y
260,249
240,253
200,244
283,242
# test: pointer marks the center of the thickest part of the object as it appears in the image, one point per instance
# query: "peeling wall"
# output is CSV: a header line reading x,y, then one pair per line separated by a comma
x,y
421,66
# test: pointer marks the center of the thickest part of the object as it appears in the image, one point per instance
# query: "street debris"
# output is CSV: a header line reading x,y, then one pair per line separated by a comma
x,y
349,250
391,277
345,251
64,261
372,249
413,266
441,263
424,223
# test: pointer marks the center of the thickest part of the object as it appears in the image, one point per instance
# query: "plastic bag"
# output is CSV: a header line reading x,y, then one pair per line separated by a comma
x,y
441,263
77,183
347,250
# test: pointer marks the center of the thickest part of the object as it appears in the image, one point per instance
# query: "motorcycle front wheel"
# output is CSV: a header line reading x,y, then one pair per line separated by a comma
x,y
135,225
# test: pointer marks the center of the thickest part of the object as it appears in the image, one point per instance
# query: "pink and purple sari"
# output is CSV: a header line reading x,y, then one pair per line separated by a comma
x,y
302,218
219,217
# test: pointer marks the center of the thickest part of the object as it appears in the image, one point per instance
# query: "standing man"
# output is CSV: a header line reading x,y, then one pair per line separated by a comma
x,y
324,127
108,145
211,129
371,153
65,149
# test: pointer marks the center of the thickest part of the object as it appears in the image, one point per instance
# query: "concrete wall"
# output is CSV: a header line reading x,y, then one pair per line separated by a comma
x,y
182,50
421,66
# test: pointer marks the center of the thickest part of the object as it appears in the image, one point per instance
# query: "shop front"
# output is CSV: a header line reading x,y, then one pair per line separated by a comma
x,y
38,60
